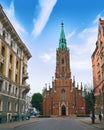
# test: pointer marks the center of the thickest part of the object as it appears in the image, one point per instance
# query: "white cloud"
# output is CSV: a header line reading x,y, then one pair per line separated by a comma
x,y
46,9
48,57
10,12
70,34
100,15
81,51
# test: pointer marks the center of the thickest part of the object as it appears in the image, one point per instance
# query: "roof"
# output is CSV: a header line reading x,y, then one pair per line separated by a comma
x,y
4,19
62,40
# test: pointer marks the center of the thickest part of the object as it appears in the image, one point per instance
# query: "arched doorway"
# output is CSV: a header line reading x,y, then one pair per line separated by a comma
x,y
63,111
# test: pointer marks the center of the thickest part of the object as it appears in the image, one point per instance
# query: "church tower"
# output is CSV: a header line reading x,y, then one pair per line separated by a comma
x,y
62,58
62,99
62,83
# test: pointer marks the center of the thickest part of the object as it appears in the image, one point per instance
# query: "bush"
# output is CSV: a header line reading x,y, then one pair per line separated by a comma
x,y
44,116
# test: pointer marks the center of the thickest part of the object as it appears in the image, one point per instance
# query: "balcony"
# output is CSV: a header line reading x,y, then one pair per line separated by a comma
x,y
25,76
25,87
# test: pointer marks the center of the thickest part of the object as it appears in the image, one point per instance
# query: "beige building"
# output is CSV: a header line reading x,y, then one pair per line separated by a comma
x,y
14,56
98,69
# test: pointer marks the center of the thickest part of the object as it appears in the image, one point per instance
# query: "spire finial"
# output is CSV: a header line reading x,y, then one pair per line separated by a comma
x,y
62,40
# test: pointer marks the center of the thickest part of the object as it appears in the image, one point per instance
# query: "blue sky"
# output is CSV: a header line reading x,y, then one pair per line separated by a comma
x,y
38,22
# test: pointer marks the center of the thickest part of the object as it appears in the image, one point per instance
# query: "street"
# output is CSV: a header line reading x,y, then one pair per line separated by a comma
x,y
58,123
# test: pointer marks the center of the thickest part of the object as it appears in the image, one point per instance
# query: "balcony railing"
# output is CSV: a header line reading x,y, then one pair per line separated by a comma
x,y
25,76
25,87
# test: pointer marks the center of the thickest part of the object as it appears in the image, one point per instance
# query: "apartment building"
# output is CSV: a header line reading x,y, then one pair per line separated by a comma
x,y
98,69
14,56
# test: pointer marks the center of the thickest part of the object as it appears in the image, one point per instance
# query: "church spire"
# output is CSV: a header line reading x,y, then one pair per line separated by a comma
x,y
62,40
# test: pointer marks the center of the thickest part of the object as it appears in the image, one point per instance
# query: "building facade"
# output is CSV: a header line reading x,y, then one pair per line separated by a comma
x,y
14,56
63,98
98,69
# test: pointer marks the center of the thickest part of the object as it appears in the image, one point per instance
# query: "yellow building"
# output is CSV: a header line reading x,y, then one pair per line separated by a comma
x,y
14,56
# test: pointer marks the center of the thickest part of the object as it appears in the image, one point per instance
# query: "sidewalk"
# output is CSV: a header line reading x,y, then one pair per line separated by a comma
x,y
18,123
97,124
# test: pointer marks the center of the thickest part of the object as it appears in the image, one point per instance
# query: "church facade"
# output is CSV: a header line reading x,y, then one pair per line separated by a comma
x,y
63,98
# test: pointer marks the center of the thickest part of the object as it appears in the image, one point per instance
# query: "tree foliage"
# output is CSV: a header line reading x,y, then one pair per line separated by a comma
x,y
89,101
36,101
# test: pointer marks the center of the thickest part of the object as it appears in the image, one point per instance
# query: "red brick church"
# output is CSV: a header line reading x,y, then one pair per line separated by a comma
x,y
64,98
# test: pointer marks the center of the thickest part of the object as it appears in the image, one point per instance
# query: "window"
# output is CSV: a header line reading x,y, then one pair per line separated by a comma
x,y
4,34
11,59
23,70
1,83
9,106
62,61
62,74
9,90
16,107
1,68
16,64
6,86
10,73
3,51
101,44
11,43
16,92
23,108
63,94
16,78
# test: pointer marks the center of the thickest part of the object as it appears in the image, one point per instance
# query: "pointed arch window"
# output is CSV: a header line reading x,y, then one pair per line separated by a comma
x,y
63,94
62,61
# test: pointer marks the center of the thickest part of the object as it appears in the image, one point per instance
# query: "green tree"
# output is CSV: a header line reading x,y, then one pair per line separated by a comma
x,y
89,101
36,101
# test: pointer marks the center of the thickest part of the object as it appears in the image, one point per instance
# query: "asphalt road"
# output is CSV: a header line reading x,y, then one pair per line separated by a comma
x,y
57,124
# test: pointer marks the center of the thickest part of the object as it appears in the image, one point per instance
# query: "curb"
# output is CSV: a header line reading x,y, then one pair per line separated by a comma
x,y
97,124
26,123
18,124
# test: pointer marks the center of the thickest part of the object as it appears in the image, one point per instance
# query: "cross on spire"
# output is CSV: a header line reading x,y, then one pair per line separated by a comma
x,y
62,40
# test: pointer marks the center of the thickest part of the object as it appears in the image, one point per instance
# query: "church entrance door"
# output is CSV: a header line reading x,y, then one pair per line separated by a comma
x,y
63,111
